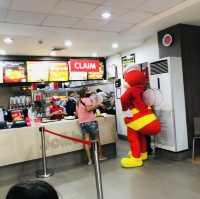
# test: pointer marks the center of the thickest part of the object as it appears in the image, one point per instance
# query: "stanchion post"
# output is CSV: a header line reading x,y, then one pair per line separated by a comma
x,y
44,172
97,168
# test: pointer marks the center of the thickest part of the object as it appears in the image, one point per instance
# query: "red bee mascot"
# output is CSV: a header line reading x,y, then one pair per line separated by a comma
x,y
143,121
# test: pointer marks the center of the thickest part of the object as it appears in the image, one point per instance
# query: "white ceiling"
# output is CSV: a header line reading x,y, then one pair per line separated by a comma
x,y
54,21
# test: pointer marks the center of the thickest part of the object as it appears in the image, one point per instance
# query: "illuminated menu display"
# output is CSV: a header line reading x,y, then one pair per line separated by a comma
x,y
83,69
51,71
44,71
37,71
13,71
58,71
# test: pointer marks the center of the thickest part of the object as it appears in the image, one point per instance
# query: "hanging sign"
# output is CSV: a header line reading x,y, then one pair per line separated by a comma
x,y
128,61
82,65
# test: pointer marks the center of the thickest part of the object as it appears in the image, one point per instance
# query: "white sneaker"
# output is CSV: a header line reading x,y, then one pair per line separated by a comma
x,y
103,158
90,162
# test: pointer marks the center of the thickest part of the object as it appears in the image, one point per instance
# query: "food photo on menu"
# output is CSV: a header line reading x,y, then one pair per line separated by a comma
x,y
13,71
58,71
76,75
97,75
37,71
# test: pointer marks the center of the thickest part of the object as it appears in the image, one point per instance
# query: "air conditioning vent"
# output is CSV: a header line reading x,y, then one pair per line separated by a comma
x,y
159,67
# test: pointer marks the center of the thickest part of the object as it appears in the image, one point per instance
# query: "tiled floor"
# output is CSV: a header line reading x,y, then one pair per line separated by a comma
x,y
158,179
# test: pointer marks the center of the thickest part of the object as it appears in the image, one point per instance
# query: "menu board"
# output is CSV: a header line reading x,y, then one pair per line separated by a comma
x,y
13,71
44,71
51,71
97,75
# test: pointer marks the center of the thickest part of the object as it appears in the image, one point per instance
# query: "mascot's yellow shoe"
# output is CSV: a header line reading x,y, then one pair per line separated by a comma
x,y
129,154
131,162
144,156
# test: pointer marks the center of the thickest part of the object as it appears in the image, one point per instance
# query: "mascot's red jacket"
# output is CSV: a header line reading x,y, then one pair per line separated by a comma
x,y
142,123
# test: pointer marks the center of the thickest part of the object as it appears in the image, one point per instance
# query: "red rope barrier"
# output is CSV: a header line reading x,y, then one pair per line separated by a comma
x,y
68,137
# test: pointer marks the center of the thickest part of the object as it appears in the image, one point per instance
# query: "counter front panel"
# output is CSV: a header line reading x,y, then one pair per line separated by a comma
x,y
23,144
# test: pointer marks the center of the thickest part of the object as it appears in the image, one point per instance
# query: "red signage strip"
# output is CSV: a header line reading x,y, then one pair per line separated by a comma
x,y
82,65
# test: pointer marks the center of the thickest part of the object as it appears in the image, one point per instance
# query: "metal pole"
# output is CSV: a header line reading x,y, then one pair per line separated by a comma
x,y
193,150
44,172
97,170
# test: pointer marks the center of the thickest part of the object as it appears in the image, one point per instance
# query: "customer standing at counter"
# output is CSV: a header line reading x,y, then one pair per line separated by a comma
x,y
85,110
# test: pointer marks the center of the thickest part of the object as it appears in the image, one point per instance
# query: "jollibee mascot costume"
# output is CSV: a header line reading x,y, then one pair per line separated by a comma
x,y
142,122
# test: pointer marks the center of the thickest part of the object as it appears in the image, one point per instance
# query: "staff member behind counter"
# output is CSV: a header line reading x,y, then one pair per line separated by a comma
x,y
55,111
71,104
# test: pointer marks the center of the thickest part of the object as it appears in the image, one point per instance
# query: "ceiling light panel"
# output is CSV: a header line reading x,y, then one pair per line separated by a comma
x,y
60,21
92,1
128,4
106,15
116,26
90,24
8,40
39,6
96,14
156,6
4,3
25,18
134,17
115,45
3,13
68,43
73,8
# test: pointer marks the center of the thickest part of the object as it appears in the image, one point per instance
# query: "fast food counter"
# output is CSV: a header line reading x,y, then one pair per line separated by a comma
x,y
24,144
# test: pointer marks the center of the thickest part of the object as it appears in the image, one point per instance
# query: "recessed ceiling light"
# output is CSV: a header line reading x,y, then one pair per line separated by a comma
x,y
94,54
115,45
53,53
2,52
106,15
8,40
68,43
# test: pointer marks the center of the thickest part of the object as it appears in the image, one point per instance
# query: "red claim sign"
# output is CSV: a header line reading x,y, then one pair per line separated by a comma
x,y
83,65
